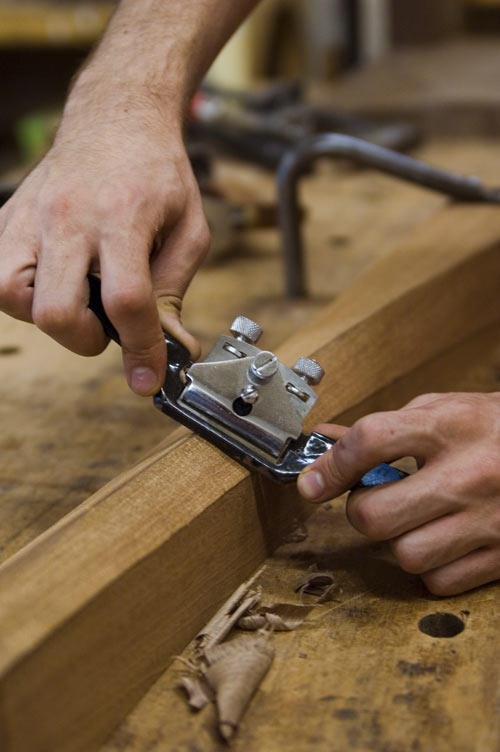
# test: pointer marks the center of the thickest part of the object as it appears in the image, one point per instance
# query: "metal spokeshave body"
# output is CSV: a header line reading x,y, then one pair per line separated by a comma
x,y
250,405
244,400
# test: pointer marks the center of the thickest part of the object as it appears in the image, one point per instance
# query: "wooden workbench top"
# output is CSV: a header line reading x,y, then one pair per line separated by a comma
x,y
69,424
359,674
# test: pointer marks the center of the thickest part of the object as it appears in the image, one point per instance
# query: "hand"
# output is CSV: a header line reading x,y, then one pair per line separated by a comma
x,y
443,522
114,195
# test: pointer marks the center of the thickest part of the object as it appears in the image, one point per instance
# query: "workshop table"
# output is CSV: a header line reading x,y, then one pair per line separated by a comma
x,y
359,674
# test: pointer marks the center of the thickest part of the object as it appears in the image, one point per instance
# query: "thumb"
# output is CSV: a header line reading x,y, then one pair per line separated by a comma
x,y
169,310
325,479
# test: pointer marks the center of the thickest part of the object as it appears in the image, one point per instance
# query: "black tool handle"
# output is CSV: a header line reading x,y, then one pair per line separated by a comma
x,y
96,306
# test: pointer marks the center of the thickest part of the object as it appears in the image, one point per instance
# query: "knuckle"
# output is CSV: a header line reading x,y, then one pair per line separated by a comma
x,y
118,199
410,558
365,517
53,317
126,302
437,584
175,198
423,399
462,408
57,206
376,426
201,239
8,290
483,478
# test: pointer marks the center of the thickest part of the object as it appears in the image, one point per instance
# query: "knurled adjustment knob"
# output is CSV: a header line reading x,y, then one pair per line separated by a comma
x,y
245,330
309,370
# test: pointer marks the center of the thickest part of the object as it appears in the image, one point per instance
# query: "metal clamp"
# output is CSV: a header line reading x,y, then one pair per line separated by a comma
x,y
336,145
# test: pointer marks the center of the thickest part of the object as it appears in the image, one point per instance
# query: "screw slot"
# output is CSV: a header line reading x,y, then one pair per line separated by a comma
x,y
441,624
241,407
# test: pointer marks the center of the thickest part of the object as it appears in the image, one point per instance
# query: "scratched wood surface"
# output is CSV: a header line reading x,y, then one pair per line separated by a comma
x,y
40,370
70,424
99,604
359,674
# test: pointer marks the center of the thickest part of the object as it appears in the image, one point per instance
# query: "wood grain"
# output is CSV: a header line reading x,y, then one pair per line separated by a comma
x,y
95,607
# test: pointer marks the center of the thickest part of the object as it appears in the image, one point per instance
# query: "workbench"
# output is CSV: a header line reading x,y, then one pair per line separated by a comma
x,y
359,674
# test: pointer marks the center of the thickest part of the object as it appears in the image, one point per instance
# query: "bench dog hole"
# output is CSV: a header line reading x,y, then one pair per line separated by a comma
x,y
441,624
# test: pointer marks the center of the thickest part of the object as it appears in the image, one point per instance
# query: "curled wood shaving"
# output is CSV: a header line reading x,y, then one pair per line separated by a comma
x,y
234,671
319,584
281,617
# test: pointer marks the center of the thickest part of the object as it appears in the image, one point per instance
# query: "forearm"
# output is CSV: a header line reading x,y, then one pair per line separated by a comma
x,y
156,51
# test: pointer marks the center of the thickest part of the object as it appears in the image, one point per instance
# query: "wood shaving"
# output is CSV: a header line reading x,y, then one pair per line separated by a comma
x,y
241,601
280,617
234,671
319,584
197,690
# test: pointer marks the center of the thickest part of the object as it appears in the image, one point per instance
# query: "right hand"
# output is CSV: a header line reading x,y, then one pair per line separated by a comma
x,y
114,195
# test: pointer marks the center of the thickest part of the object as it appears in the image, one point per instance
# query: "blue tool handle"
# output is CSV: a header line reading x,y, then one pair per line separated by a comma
x,y
381,474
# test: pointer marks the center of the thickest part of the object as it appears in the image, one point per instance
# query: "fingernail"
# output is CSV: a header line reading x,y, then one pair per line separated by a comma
x,y
311,485
143,380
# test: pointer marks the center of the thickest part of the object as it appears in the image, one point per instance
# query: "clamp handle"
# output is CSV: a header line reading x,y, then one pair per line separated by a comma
x,y
96,306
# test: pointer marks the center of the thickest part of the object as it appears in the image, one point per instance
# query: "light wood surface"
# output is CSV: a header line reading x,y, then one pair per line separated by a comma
x,y
140,566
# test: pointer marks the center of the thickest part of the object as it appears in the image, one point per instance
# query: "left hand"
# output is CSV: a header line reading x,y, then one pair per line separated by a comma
x,y
443,522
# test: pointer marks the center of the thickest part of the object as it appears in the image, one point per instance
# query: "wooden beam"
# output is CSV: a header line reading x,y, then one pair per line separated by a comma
x,y
93,610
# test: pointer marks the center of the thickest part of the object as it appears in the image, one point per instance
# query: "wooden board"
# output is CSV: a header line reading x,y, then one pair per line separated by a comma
x,y
137,569
70,424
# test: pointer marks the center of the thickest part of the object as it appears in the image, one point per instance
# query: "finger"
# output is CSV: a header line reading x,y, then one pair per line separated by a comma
x,y
174,266
392,509
17,271
332,430
374,439
61,295
470,571
16,289
128,299
439,542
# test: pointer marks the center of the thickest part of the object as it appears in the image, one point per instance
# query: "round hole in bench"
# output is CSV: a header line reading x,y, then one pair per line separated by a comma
x,y
441,624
